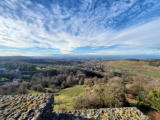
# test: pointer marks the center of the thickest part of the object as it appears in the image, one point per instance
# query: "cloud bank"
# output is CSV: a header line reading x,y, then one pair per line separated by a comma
x,y
60,27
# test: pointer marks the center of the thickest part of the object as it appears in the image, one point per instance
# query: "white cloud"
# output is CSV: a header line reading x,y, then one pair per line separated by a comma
x,y
19,53
141,36
30,30
126,52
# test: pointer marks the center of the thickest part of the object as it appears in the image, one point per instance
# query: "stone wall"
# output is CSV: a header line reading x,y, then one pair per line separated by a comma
x,y
125,113
26,107
40,107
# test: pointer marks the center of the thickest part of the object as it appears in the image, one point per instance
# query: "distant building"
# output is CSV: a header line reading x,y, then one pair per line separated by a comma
x,y
16,80
3,70
17,70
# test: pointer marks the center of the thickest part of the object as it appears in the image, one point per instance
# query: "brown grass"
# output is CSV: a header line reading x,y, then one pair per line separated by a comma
x,y
154,115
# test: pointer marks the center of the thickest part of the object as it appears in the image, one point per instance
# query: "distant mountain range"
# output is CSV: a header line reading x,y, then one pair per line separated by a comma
x,y
81,57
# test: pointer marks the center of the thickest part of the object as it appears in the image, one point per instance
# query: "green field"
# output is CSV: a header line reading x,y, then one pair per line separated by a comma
x,y
33,92
3,79
63,100
134,67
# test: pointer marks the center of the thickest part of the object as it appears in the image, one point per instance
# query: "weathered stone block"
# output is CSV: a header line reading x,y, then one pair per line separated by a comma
x,y
26,107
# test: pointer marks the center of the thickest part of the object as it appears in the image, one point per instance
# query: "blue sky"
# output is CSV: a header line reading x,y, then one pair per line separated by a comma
x,y
79,27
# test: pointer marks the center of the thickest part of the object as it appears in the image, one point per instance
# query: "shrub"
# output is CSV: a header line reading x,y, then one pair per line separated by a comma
x,y
107,95
86,100
153,98
111,95
23,88
38,88
9,89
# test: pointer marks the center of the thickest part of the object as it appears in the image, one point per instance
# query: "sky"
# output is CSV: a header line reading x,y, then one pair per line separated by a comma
x,y
79,27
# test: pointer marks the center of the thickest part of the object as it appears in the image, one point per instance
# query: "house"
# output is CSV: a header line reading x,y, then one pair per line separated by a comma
x,y
3,70
15,80
17,70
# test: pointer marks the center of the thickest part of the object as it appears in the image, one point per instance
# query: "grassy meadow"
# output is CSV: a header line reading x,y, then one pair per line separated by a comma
x,y
63,100
134,67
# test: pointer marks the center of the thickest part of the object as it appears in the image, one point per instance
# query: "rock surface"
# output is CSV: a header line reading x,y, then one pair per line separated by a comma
x,y
40,107
126,113
26,107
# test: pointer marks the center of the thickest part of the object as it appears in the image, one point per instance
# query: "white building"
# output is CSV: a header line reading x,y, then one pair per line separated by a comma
x,y
16,80
3,70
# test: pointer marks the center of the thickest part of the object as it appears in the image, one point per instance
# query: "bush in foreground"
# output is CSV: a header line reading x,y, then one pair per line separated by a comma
x,y
106,95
